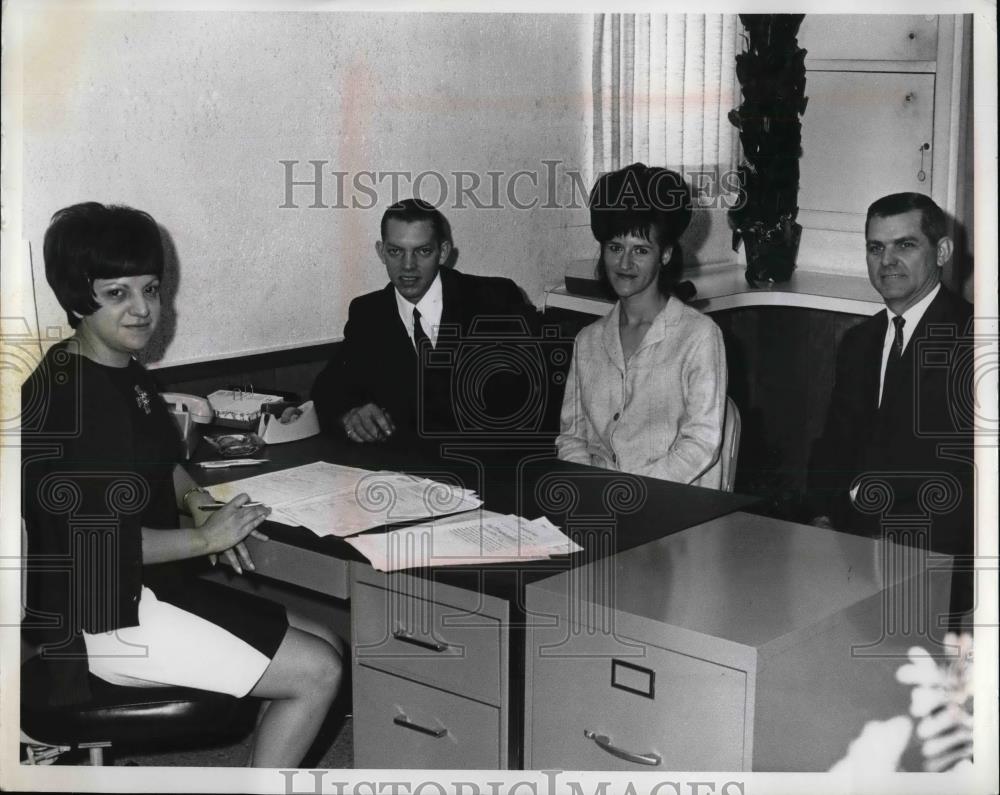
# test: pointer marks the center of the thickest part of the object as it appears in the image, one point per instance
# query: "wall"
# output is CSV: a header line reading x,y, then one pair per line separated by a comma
x,y
188,115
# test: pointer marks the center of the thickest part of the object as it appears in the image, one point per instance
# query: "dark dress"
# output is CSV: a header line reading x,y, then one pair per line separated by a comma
x,y
98,453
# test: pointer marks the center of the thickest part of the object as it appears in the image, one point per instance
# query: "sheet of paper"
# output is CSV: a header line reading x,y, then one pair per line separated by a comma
x,y
346,513
277,488
480,537
337,500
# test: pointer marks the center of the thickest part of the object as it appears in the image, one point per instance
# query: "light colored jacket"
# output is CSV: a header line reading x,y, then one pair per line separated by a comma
x,y
661,413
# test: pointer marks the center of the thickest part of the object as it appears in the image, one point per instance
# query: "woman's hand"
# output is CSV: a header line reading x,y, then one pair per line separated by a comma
x,y
225,530
240,553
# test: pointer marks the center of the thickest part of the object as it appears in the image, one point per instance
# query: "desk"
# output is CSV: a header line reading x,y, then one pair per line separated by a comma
x,y
744,624
444,648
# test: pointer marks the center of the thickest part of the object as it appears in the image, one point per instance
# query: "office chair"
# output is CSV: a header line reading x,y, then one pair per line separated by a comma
x,y
130,716
730,444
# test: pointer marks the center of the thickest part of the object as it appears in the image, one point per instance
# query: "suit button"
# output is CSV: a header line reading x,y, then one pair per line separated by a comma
x,y
614,458
617,415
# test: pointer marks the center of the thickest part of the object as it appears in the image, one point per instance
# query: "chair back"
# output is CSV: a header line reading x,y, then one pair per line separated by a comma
x,y
730,444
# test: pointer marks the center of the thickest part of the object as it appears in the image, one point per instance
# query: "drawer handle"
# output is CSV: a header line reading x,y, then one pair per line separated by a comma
x,y
406,723
605,742
406,637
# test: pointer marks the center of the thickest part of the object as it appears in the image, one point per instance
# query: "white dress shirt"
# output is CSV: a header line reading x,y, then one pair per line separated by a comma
x,y
431,306
911,317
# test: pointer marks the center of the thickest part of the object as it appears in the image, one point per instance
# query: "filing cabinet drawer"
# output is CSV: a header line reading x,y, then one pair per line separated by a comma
x,y
449,647
650,708
402,724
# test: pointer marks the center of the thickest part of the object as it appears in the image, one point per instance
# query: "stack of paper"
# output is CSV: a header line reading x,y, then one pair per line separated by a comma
x,y
338,500
477,538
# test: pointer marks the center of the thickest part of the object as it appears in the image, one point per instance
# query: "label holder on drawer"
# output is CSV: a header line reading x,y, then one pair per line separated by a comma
x,y
633,679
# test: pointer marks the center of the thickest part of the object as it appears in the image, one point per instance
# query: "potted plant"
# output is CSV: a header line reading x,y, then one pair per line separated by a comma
x,y
772,77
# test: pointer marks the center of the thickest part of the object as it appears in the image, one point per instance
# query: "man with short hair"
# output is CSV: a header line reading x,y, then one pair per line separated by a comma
x,y
897,445
395,377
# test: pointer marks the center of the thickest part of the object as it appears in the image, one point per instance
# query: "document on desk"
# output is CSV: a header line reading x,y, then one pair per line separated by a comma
x,y
476,538
331,499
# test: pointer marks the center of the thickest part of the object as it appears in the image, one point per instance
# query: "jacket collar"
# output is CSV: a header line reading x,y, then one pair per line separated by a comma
x,y
669,316
937,312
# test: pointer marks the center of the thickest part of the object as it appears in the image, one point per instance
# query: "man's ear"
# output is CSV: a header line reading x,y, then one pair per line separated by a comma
x,y
445,252
378,250
945,248
666,254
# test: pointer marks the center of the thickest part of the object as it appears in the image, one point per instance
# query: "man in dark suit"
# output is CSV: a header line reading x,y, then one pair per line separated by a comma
x,y
896,451
407,366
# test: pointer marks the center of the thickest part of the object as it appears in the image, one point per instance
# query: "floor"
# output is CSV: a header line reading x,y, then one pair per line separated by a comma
x,y
334,749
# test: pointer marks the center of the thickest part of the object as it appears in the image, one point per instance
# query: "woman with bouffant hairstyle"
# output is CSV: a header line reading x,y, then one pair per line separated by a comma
x,y
102,489
646,391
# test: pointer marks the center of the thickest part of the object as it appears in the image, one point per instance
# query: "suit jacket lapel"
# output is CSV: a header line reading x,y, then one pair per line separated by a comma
x,y
400,347
936,313
451,296
872,369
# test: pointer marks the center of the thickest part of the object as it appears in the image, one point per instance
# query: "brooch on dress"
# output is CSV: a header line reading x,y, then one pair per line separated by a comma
x,y
141,398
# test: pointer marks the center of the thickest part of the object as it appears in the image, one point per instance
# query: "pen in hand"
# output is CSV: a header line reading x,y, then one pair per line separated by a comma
x,y
215,506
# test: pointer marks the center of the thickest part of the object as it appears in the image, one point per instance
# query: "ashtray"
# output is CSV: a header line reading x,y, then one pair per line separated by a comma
x,y
235,445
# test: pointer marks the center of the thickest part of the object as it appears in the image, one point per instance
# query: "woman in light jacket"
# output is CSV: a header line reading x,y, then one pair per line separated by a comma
x,y
646,390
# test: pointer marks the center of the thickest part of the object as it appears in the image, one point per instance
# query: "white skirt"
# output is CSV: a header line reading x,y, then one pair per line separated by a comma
x,y
174,648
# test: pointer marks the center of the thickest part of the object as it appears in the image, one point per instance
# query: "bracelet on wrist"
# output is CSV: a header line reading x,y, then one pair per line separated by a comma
x,y
194,490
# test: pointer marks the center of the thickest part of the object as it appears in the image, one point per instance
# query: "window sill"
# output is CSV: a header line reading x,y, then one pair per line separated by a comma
x,y
725,288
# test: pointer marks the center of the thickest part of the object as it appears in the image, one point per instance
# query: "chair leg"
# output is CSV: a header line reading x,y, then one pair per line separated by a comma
x,y
96,751
40,754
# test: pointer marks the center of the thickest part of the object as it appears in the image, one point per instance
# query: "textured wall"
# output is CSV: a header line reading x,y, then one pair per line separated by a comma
x,y
187,115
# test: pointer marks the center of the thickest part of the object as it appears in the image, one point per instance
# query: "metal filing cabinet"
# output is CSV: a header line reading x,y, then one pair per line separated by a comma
x,y
744,643
430,674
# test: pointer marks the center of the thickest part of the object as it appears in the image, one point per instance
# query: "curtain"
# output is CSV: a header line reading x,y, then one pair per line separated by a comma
x,y
663,85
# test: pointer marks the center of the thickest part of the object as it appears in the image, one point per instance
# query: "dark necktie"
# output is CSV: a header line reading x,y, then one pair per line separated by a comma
x,y
419,335
895,355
